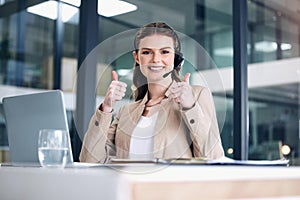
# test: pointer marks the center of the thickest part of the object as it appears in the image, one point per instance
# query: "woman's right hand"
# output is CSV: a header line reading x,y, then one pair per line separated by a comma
x,y
115,92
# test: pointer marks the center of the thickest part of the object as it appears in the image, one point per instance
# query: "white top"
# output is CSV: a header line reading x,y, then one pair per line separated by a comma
x,y
141,143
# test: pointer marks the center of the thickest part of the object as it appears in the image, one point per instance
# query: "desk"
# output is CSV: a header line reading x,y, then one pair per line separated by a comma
x,y
143,182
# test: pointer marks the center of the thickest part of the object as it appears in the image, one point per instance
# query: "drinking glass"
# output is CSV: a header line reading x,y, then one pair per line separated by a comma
x,y
53,148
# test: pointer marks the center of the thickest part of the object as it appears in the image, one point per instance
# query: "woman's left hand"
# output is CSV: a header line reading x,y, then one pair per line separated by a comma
x,y
182,93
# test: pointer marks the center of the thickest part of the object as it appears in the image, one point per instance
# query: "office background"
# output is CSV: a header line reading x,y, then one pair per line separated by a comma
x,y
260,116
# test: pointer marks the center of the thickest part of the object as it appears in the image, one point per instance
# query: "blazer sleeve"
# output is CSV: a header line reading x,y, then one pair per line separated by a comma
x,y
99,140
202,123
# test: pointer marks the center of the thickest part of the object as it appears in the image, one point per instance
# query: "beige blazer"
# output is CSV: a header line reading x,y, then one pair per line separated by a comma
x,y
178,133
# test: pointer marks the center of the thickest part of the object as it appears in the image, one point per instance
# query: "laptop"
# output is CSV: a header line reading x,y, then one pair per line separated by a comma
x,y
25,115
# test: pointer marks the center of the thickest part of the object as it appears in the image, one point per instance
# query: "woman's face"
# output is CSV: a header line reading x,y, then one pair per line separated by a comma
x,y
155,56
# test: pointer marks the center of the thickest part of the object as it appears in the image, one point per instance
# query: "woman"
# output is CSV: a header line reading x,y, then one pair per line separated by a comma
x,y
169,118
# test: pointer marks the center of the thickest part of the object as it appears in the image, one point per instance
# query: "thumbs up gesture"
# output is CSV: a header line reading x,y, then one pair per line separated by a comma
x,y
115,92
182,93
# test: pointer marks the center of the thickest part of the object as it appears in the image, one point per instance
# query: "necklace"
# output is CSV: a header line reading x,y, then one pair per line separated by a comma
x,y
151,107
156,102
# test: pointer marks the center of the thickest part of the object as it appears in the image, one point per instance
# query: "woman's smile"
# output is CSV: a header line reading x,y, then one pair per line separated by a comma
x,y
156,69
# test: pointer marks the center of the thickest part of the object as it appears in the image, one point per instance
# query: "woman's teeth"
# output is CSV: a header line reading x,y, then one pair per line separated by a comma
x,y
155,68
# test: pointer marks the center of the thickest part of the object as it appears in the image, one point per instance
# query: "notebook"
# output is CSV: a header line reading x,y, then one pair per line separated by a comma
x,y
25,115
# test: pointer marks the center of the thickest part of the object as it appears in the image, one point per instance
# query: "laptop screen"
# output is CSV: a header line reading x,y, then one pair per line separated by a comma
x,y
25,115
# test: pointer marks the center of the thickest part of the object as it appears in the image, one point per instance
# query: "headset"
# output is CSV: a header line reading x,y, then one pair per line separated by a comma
x,y
178,60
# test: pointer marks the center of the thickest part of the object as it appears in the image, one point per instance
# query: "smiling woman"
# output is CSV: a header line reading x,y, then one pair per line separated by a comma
x,y
169,118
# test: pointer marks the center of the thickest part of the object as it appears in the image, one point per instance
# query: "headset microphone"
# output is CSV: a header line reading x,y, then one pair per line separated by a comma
x,y
178,61
167,74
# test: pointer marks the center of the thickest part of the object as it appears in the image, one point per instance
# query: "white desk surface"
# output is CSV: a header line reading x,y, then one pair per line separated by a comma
x,y
143,182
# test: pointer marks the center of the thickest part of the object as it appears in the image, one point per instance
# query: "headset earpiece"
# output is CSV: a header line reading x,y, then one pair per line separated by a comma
x,y
178,60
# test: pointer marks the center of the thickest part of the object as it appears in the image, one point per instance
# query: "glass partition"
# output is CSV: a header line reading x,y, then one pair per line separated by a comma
x,y
29,42
205,30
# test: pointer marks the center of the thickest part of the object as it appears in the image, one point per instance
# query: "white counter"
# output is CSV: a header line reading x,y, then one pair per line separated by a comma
x,y
143,182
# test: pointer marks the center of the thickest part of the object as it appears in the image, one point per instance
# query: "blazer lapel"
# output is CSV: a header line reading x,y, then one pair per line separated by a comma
x,y
134,112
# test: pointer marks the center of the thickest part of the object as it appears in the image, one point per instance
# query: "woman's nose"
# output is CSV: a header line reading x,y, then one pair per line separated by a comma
x,y
156,57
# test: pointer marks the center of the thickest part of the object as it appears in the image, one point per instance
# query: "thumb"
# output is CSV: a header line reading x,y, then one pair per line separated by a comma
x,y
114,75
187,78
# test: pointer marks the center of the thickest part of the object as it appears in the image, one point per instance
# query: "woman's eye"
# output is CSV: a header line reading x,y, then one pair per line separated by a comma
x,y
145,52
165,52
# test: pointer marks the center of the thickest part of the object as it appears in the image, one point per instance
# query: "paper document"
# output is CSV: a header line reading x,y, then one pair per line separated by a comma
x,y
225,161
203,161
